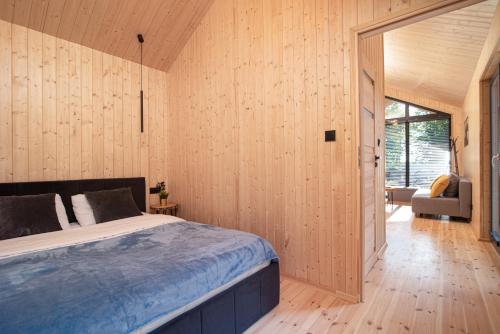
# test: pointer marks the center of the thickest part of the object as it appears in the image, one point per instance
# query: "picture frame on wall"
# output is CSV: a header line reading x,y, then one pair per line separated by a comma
x,y
466,130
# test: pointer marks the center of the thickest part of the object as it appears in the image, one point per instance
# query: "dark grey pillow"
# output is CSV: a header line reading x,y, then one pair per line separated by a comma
x,y
452,189
108,205
27,215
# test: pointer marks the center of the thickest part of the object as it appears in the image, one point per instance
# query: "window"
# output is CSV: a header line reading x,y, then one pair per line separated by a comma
x,y
394,109
395,154
417,144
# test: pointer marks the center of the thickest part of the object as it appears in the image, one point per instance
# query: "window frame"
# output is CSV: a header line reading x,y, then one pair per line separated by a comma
x,y
407,119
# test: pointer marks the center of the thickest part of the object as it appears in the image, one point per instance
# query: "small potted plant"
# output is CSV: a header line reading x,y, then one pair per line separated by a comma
x,y
163,193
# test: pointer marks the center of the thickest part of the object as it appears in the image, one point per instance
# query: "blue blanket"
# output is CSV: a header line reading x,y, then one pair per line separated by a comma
x,y
120,284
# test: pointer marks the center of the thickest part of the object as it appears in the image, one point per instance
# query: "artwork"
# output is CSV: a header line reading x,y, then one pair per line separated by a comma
x,y
466,129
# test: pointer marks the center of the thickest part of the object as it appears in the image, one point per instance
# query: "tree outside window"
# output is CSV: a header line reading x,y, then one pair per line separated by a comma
x,y
417,144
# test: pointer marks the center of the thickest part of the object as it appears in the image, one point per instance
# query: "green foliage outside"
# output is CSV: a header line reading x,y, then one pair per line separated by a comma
x,y
429,148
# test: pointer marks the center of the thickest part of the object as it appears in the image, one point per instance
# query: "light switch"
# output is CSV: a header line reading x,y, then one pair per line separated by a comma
x,y
330,135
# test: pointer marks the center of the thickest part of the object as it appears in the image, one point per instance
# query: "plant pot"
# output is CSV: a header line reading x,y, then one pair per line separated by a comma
x,y
163,201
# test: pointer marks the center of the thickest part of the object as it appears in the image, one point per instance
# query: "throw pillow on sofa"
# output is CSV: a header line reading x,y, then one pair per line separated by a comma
x,y
452,189
439,185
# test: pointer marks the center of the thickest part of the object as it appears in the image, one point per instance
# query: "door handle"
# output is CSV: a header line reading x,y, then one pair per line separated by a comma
x,y
377,158
494,159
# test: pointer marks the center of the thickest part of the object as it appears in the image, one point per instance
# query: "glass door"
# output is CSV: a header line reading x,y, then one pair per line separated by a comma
x,y
495,158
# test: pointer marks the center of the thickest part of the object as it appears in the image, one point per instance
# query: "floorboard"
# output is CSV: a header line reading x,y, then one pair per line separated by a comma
x,y
435,277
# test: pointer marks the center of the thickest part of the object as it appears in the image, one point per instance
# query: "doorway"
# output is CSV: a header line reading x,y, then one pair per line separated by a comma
x,y
367,149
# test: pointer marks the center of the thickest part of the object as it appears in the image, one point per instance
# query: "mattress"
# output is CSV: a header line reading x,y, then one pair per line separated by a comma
x,y
79,236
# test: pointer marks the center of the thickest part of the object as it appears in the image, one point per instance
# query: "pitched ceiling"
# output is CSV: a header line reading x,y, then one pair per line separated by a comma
x,y
436,58
112,26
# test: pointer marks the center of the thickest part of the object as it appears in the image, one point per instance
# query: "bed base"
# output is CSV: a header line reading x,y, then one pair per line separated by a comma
x,y
233,310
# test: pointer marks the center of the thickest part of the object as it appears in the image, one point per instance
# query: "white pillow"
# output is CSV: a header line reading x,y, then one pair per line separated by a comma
x,y
83,211
61,213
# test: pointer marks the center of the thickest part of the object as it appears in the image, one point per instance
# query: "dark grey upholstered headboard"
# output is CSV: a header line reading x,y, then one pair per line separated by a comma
x,y
73,187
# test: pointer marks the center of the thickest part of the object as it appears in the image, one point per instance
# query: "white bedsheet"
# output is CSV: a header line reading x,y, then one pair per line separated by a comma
x,y
83,234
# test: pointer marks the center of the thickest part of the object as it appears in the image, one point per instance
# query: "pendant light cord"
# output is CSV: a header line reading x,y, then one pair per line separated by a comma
x,y
141,66
141,40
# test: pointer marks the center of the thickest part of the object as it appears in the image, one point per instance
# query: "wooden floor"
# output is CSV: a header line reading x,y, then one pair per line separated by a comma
x,y
435,278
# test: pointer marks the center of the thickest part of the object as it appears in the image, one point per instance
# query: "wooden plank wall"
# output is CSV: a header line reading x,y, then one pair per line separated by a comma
x,y
474,160
457,113
250,97
70,112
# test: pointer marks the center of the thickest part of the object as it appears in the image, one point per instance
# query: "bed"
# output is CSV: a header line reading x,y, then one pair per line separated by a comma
x,y
145,274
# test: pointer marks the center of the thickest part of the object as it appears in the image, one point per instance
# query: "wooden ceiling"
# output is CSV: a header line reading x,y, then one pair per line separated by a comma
x,y
112,26
436,58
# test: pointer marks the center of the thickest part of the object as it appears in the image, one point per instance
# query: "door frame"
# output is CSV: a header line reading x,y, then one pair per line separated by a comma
x,y
485,138
491,72
488,190
362,31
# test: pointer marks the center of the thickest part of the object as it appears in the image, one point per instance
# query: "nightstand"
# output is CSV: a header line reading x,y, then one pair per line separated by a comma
x,y
169,208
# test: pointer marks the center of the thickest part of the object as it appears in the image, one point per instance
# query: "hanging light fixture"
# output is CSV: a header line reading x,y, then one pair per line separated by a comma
x,y
141,41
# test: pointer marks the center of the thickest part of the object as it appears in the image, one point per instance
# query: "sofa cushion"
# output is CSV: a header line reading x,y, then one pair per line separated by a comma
x,y
452,189
421,202
439,185
422,192
465,196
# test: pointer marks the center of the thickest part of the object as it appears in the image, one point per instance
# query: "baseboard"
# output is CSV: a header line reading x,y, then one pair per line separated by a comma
x,y
370,263
347,297
339,294
380,253
315,285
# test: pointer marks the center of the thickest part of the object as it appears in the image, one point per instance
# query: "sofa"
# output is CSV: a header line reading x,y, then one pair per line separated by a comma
x,y
460,206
